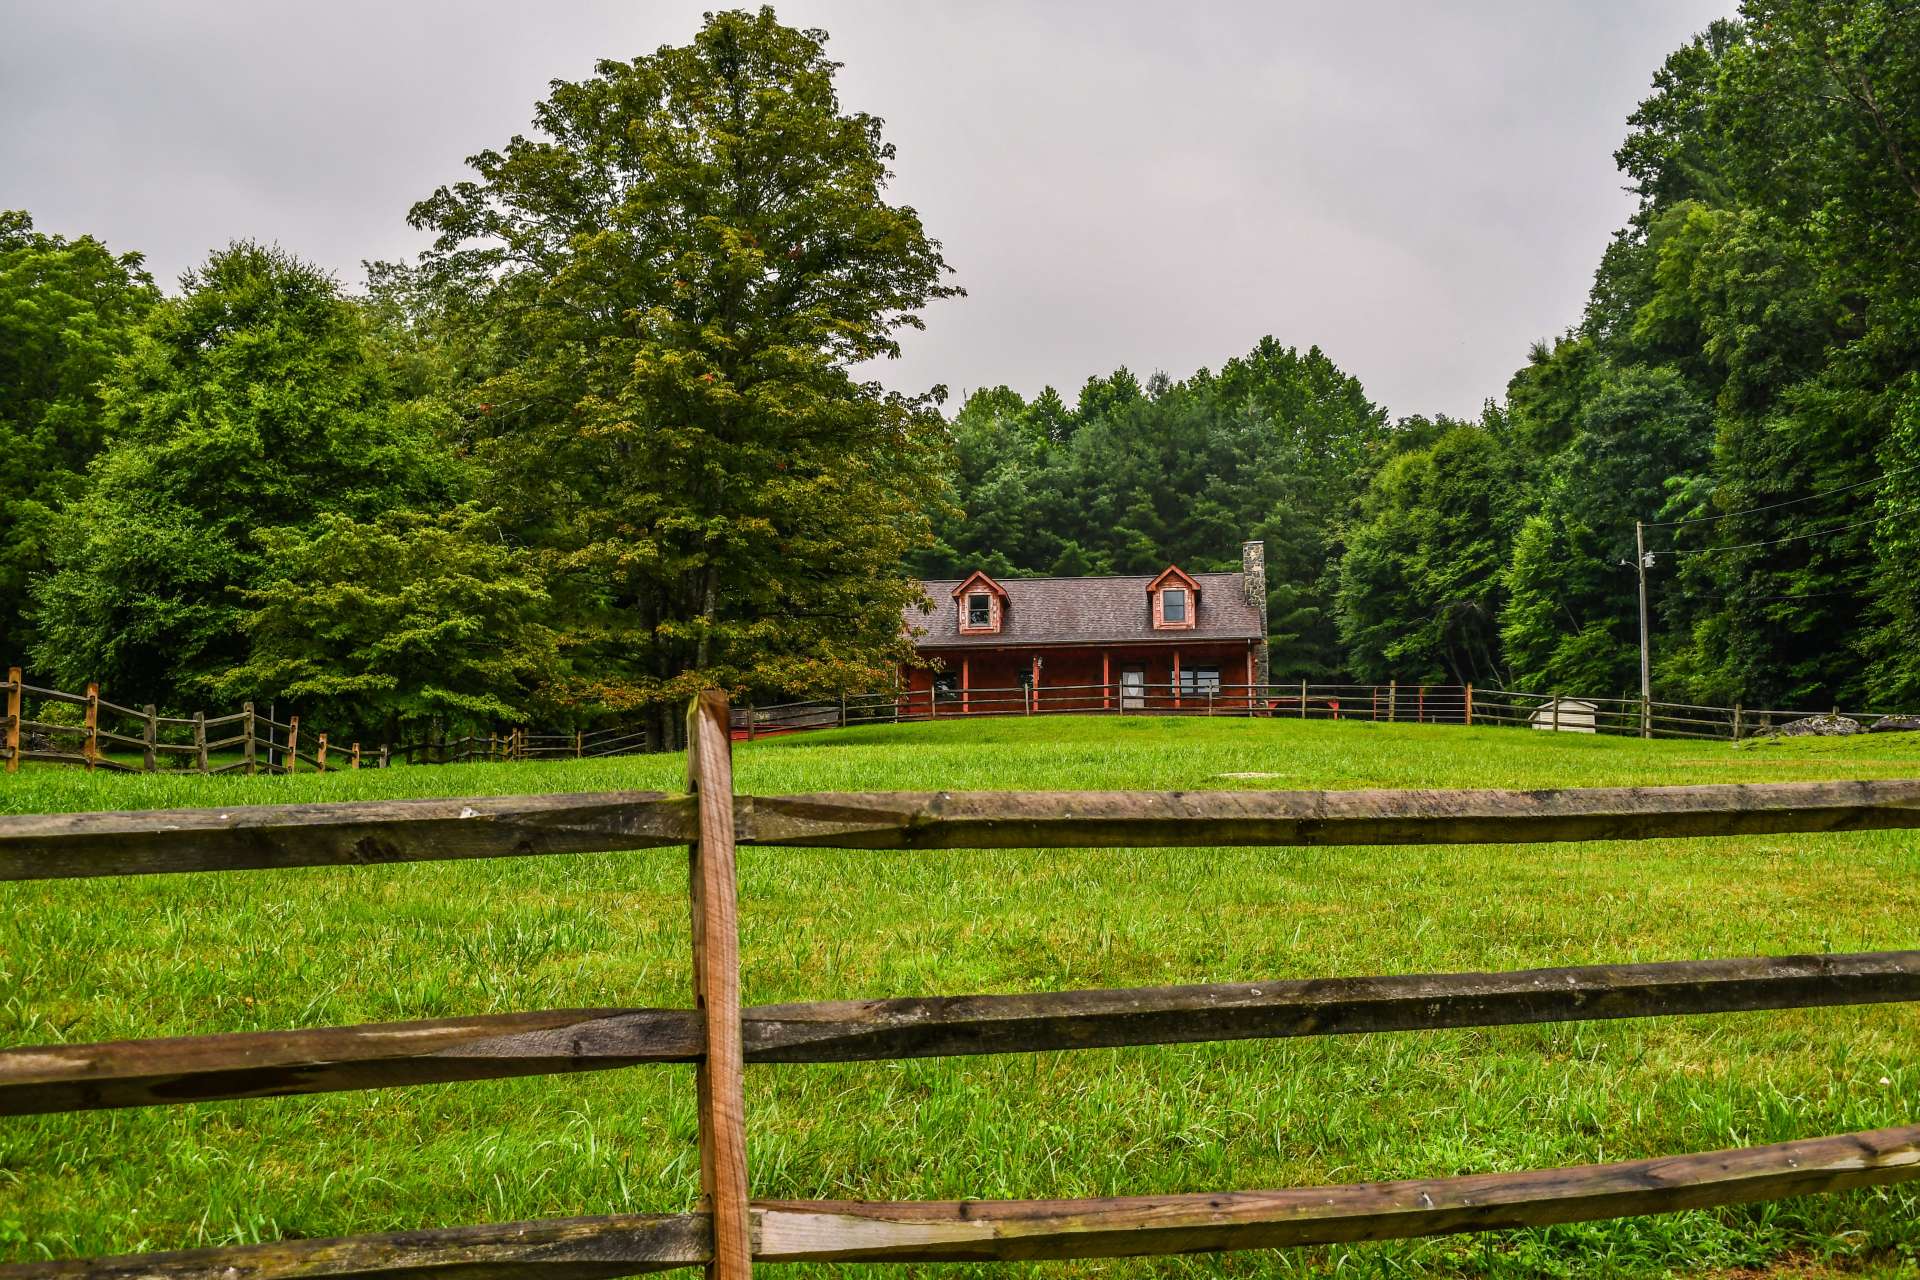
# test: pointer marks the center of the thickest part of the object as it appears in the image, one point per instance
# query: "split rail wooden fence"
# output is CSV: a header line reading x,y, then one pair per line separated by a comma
x,y
729,1230
1392,702
124,739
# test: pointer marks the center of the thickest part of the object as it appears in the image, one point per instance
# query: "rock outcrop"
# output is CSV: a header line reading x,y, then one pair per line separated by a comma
x,y
1827,726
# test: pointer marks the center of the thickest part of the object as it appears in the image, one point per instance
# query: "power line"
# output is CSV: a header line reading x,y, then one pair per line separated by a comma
x,y
1775,506
1798,537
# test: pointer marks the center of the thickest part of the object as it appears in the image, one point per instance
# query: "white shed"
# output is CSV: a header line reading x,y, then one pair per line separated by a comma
x,y
1568,715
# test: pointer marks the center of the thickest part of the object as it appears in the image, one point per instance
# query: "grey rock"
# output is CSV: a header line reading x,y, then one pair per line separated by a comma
x,y
1827,726
1896,724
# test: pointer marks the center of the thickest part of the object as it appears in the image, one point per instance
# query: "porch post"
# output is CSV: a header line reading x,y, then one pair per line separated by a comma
x,y
1249,679
1176,679
1034,688
1106,681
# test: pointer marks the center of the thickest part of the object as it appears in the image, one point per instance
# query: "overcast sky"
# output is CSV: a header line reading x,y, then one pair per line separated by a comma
x,y
1421,189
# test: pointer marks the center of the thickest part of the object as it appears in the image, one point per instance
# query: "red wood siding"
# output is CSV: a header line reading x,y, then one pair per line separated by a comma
x,y
1070,677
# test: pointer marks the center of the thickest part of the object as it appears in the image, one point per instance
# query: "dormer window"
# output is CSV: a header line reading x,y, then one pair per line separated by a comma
x,y
1174,600
979,606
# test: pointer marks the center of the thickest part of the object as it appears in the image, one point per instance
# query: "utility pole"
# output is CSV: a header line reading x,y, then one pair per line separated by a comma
x,y
1641,560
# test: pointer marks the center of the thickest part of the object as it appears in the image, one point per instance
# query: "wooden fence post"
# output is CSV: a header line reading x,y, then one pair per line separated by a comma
x,y
90,746
386,761
1556,713
716,982
149,735
15,692
320,756
1736,722
1303,699
843,708
1393,700
1469,702
293,743
200,740
579,745
246,725
356,757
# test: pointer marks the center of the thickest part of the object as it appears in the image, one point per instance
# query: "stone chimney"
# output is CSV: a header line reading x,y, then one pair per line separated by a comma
x,y
1253,581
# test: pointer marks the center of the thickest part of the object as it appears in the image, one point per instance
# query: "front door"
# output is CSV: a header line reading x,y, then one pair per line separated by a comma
x,y
1133,689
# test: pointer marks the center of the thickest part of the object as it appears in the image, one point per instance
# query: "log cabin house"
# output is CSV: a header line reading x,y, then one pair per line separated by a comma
x,y
1167,641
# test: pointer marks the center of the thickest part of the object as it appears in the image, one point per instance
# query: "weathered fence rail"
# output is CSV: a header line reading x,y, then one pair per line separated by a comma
x,y
730,1231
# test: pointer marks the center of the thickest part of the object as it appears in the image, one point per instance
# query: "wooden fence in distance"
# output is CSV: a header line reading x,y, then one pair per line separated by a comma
x,y
730,1231
1392,702
137,740
124,739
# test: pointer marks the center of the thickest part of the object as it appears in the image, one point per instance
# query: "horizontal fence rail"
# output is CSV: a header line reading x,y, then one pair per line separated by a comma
x,y
253,1064
718,1035
63,845
1023,1230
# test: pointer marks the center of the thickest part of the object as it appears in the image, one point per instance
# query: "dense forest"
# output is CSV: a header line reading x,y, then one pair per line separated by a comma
x,y
606,440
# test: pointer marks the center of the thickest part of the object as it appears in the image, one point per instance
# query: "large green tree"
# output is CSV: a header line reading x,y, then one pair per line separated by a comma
x,y
256,400
68,309
674,283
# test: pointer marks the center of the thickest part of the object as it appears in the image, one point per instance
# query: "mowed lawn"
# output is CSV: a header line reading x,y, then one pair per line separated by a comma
x,y
168,955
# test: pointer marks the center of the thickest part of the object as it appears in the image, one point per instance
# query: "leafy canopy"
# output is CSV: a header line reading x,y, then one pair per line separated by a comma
x,y
68,310
254,401
396,623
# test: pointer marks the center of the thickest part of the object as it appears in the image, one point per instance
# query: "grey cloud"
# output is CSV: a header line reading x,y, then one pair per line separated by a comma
x,y
1420,189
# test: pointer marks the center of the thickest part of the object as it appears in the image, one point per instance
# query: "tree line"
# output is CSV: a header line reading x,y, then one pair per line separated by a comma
x,y
605,441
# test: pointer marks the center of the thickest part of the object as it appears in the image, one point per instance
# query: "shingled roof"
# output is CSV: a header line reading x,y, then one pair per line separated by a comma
x,y
1109,610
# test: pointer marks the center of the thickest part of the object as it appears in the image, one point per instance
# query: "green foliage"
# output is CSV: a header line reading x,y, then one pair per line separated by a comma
x,y
68,309
1420,585
1571,620
254,401
391,624
1273,446
666,289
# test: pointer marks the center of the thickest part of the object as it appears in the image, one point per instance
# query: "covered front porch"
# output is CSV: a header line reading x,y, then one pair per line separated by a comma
x,y
1194,677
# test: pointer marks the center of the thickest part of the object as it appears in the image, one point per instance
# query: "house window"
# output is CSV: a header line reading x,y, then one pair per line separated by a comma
x,y
946,686
1199,681
979,609
1173,606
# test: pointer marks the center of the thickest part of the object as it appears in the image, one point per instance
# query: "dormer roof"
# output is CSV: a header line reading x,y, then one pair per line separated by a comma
x,y
1173,576
979,581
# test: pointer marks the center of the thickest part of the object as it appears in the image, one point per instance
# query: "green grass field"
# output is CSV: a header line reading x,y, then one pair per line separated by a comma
x,y
165,955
